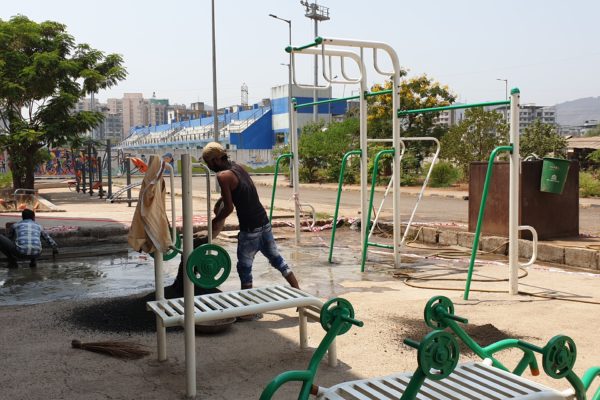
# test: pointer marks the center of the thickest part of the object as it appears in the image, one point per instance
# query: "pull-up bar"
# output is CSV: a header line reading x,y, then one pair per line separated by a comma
x,y
366,94
317,42
452,107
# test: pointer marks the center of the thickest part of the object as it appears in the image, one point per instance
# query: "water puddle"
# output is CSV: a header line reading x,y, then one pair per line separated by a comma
x,y
130,273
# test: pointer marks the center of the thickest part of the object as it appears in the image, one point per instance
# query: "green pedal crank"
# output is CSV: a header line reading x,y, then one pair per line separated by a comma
x,y
208,266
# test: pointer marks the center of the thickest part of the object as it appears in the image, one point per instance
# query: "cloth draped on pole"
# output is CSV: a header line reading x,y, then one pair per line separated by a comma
x,y
149,229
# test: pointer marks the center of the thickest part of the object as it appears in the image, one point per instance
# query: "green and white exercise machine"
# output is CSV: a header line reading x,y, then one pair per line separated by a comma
x,y
329,47
439,375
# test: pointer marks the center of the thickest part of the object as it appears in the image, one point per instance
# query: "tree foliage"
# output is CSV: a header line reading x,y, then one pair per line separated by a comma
x,y
43,73
593,132
474,138
542,140
415,93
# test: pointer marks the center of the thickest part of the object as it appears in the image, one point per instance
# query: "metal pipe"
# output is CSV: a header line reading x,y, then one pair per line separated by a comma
x,y
109,167
513,196
452,107
90,165
188,286
285,155
295,177
208,200
339,195
420,196
367,217
128,179
488,178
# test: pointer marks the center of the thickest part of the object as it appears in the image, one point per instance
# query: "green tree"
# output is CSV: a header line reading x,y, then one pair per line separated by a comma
x,y
43,73
542,139
474,138
593,132
418,92
322,148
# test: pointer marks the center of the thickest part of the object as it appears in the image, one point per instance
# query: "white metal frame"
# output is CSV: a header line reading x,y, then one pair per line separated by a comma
x,y
189,310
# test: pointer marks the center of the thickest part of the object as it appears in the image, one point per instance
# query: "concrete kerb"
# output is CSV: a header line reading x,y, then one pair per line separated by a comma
x,y
578,257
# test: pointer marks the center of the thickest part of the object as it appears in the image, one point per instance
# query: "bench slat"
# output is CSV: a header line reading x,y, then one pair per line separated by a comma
x,y
470,381
234,304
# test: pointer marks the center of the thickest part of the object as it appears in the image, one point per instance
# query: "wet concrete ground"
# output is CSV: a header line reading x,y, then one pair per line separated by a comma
x,y
127,272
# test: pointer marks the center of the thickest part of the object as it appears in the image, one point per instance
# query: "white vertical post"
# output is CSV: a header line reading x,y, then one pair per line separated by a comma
x,y
161,333
513,204
295,172
188,286
396,172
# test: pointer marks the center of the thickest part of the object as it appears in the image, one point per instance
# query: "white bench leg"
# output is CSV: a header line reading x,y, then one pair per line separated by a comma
x,y
161,339
332,359
303,326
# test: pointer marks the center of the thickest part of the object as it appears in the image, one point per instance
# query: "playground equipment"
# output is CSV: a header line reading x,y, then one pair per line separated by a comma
x,y
438,375
140,166
321,47
208,266
318,47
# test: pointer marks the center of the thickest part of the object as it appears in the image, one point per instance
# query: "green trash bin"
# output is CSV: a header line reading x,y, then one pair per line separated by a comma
x,y
554,175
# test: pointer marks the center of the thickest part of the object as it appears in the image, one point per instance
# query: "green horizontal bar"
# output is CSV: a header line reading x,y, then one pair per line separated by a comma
x,y
317,42
371,94
383,246
452,107
314,103
367,94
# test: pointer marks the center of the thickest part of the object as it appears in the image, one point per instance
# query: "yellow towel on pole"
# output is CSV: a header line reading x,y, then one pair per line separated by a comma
x,y
149,229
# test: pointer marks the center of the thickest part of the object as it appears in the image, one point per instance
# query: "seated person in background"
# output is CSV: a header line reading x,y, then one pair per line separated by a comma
x,y
24,240
168,158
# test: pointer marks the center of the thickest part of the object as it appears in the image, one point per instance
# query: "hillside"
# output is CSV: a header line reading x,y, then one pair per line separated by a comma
x,y
576,112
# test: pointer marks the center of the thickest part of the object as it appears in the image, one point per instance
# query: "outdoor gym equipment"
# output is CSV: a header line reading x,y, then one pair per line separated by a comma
x,y
319,47
209,265
439,376
337,317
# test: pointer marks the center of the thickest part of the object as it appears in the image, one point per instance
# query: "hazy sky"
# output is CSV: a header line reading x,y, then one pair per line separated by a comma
x,y
550,49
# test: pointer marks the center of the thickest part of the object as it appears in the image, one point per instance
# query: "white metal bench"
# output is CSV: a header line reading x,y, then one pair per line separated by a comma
x,y
211,307
469,381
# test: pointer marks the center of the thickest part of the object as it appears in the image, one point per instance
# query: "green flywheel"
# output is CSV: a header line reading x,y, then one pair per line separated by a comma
x,y
208,266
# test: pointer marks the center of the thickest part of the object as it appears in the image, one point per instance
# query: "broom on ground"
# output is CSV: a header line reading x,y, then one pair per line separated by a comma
x,y
127,350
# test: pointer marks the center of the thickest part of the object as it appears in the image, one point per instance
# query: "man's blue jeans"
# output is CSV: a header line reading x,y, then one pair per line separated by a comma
x,y
249,243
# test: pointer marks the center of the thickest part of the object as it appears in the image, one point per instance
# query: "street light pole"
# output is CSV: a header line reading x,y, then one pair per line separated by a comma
x,y
289,65
505,96
214,67
316,13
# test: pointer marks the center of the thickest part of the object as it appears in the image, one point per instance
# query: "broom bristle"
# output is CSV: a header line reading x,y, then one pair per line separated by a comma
x,y
127,350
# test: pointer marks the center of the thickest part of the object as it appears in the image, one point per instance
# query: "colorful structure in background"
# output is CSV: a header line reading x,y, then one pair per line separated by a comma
x,y
61,162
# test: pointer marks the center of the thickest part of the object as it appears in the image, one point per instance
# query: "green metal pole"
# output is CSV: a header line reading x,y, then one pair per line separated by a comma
x,y
317,42
339,195
285,155
378,93
452,107
367,218
366,94
488,178
314,103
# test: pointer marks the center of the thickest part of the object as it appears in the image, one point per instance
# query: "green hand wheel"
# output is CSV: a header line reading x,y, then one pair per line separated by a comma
x,y
171,254
338,308
438,355
208,266
559,356
432,319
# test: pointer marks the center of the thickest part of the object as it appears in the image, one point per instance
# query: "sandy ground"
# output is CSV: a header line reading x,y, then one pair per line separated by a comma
x,y
37,361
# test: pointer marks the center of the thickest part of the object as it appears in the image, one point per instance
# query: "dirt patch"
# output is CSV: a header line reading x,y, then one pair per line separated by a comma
x,y
123,314
484,335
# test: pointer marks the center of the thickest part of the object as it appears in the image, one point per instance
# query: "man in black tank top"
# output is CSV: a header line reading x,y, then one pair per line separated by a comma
x,y
238,190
